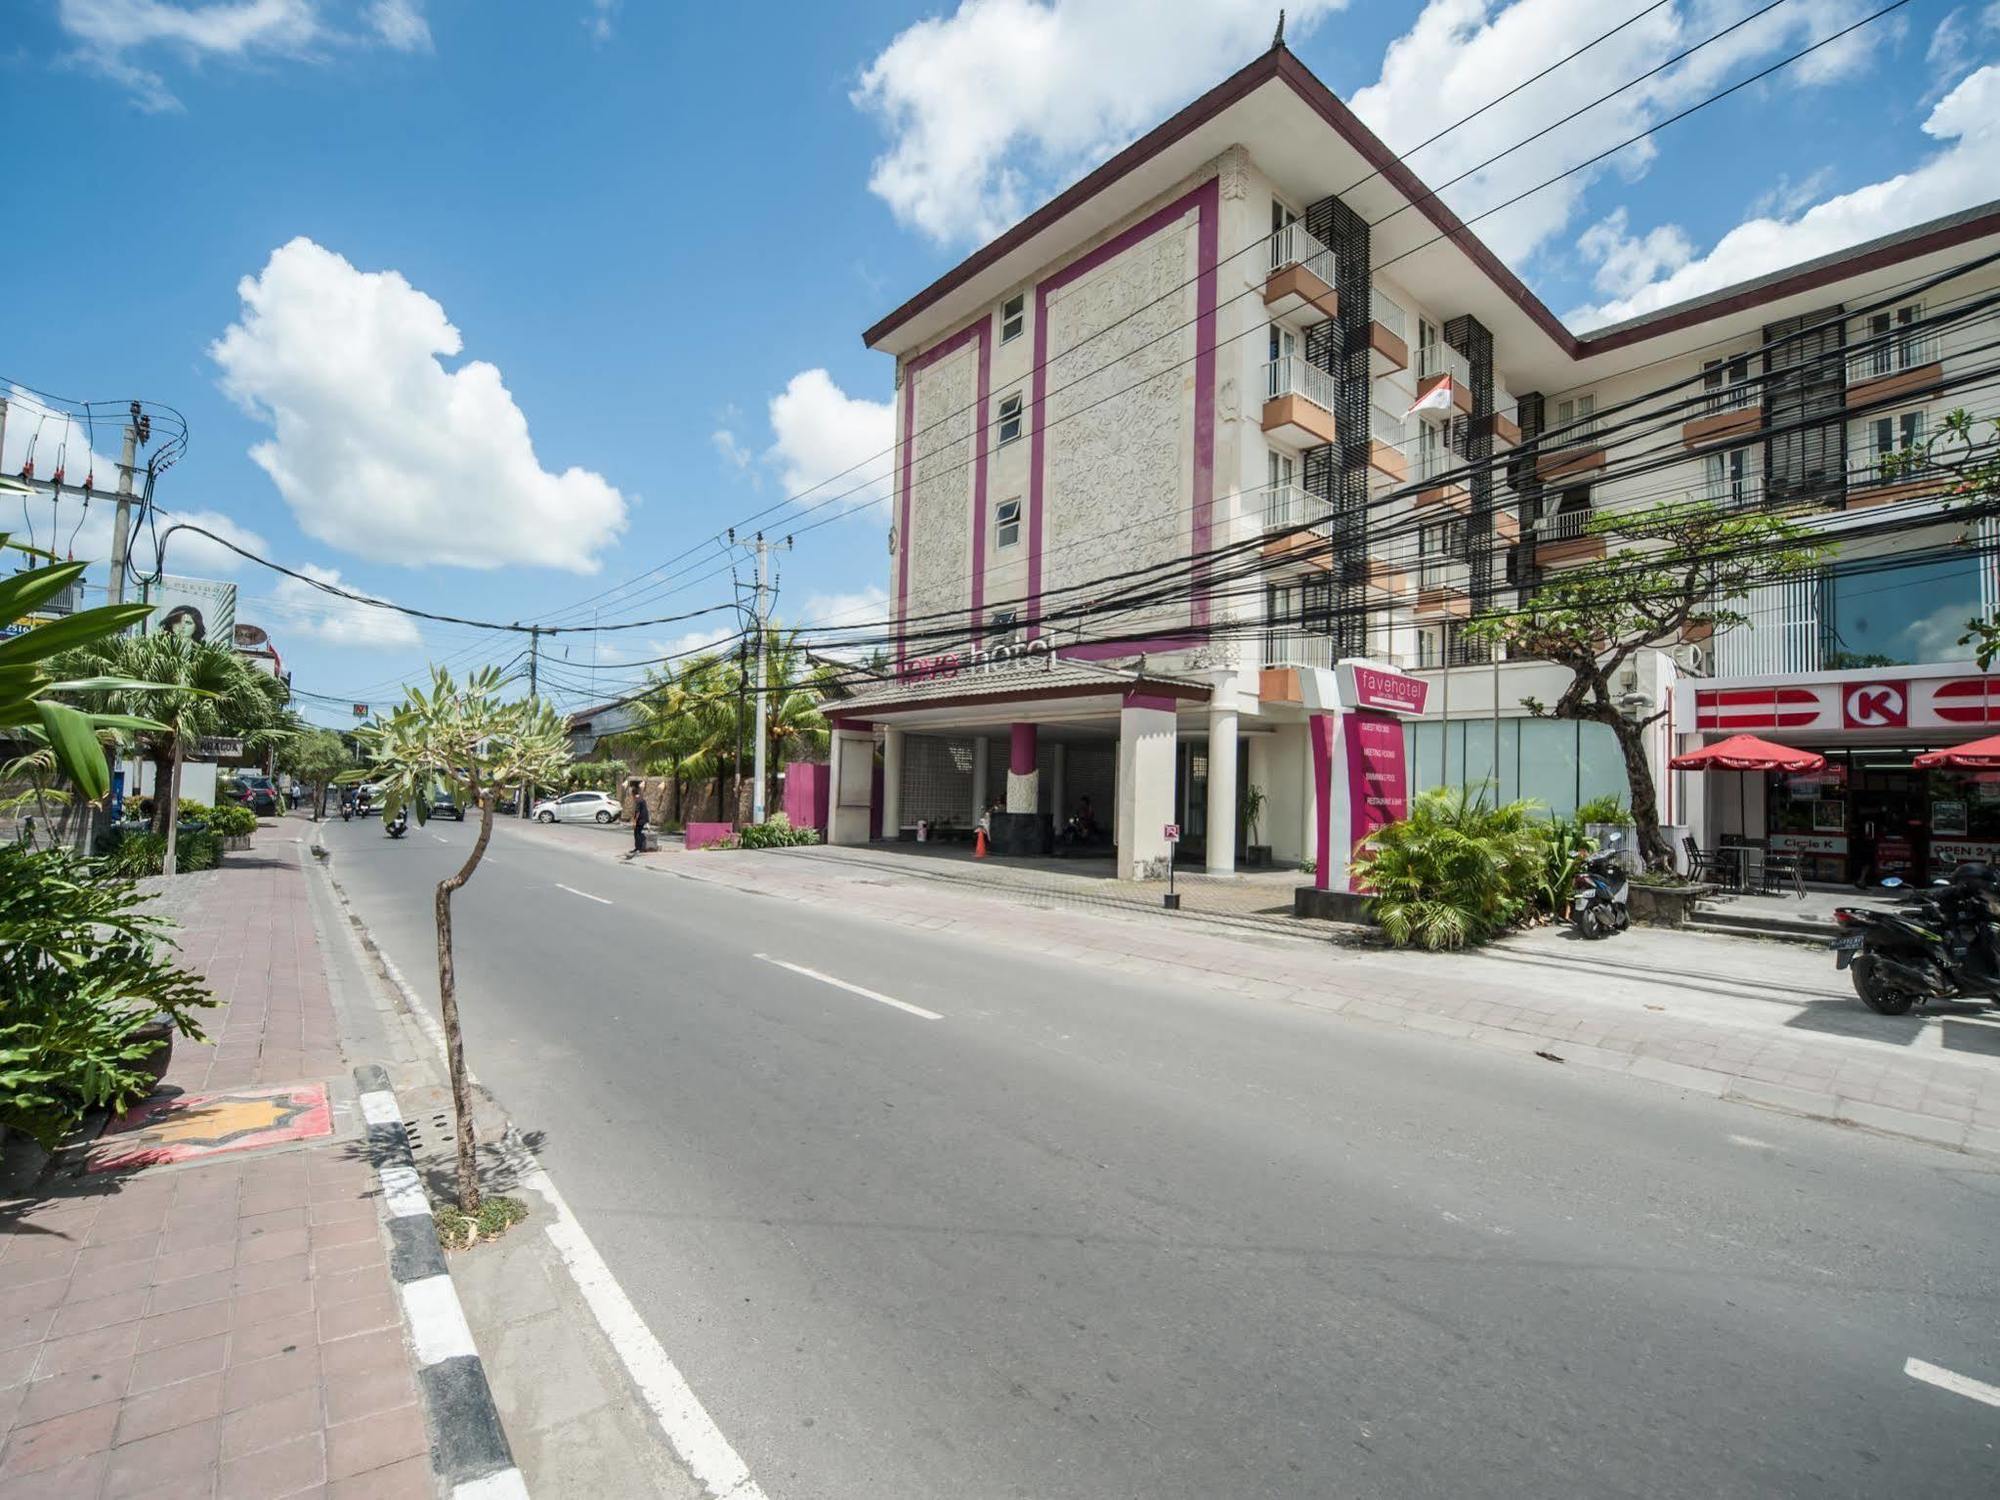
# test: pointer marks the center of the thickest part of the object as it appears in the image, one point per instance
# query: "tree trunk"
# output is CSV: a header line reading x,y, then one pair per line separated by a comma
x,y
161,761
1653,846
170,864
454,1041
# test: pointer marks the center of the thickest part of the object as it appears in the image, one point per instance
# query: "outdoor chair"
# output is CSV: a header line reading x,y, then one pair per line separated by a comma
x,y
1781,871
1703,865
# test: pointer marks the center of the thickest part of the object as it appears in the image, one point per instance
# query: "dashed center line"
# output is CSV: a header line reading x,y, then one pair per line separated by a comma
x,y
585,894
1949,1380
853,989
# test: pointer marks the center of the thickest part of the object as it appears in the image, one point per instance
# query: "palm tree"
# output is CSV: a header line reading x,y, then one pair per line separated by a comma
x,y
464,738
796,687
191,689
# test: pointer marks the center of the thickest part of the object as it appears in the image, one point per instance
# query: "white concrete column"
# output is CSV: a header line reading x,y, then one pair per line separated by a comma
x,y
1145,786
1024,782
851,763
980,771
1221,791
892,782
1058,793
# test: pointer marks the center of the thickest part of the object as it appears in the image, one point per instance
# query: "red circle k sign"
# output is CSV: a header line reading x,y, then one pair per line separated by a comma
x,y
1874,705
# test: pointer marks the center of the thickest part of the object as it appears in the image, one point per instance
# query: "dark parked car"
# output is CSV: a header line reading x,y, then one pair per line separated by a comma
x,y
258,793
444,805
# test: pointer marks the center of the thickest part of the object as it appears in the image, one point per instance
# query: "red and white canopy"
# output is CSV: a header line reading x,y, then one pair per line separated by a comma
x,y
1745,752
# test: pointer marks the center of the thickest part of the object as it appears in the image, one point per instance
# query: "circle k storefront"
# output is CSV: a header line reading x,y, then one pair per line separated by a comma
x,y
1872,812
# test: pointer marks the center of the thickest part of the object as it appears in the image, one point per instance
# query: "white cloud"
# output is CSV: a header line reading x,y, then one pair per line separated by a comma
x,y
1953,49
831,443
1785,197
684,647
1957,176
598,18
305,610
110,34
401,24
865,606
732,451
1626,262
379,449
1461,54
1004,98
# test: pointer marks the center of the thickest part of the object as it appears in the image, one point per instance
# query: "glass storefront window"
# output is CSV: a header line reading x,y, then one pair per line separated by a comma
x,y
1900,616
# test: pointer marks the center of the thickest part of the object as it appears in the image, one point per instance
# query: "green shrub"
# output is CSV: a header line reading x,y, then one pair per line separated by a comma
x,y
81,968
1456,871
1610,808
137,855
776,834
232,819
1565,847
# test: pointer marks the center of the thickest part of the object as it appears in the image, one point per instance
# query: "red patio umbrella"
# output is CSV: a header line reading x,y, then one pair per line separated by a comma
x,y
1745,752
1977,755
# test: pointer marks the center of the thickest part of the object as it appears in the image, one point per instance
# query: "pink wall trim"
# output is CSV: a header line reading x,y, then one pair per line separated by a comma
x,y
1206,201
1320,729
708,835
1021,750
983,331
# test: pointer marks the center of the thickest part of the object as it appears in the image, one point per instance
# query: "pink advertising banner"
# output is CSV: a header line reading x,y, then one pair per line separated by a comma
x,y
1377,783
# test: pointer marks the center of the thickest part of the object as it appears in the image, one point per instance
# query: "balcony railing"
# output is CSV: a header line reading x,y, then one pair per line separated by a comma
x,y
1740,492
1564,525
1573,433
1442,573
1385,426
1389,314
1292,246
1442,359
1435,650
1742,395
1890,353
1294,375
1434,461
1293,646
1295,505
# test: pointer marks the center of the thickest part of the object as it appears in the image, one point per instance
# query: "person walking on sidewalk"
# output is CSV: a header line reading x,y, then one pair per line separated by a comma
x,y
640,817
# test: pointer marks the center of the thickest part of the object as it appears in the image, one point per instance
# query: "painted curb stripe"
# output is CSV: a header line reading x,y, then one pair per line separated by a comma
x,y
437,1323
469,1450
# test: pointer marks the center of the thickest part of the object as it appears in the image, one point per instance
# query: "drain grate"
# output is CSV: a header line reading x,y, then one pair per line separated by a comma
x,y
426,1131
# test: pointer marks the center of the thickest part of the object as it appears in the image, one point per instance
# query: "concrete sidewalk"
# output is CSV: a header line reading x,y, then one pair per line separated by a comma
x,y
222,1321
1756,1022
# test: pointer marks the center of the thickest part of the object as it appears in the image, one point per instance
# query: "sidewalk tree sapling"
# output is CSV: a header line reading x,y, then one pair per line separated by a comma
x,y
460,736
1683,563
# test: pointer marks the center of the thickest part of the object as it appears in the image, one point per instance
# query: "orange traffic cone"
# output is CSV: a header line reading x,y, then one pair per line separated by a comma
x,y
979,845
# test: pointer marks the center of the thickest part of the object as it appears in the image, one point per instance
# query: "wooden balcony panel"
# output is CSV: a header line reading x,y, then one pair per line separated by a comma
x,y
1506,526
1720,427
1444,602
1452,496
1302,548
1384,459
1865,496
1386,351
1570,550
1563,462
1506,431
1279,685
1295,289
1897,385
1296,420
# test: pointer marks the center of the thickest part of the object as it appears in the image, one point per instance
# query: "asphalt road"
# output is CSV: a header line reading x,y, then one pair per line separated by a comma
x,y
1082,1236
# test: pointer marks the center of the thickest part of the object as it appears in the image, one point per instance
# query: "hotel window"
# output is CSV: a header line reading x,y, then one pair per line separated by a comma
x,y
1885,438
1010,418
1001,630
1013,317
1440,552
1894,341
1729,479
1727,384
1281,216
1006,524
1578,414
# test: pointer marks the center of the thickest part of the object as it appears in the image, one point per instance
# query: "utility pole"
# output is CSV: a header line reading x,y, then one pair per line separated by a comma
x,y
757,620
534,696
137,431
742,679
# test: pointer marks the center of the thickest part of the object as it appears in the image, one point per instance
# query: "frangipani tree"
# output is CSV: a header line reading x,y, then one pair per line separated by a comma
x,y
463,737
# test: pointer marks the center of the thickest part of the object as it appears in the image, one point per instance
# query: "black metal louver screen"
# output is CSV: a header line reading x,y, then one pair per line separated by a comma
x,y
1342,348
1528,485
1805,400
1474,341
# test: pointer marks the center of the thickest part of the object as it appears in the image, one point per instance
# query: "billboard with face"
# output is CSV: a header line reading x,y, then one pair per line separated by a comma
x,y
199,609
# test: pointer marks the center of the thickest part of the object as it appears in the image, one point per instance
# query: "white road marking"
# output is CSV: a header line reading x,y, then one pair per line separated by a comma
x,y
695,1437
585,894
842,984
1752,1142
1947,1380
437,1322
441,838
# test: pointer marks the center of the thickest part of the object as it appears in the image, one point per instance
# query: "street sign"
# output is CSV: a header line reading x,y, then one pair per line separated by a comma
x,y
1173,833
219,747
360,710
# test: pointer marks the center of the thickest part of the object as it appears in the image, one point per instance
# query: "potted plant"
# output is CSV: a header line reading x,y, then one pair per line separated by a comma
x,y
1256,856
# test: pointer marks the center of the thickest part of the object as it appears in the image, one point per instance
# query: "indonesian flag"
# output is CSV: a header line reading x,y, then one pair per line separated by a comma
x,y
1437,398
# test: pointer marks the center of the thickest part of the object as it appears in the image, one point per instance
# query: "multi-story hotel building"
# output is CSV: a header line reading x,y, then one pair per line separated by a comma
x,y
1163,444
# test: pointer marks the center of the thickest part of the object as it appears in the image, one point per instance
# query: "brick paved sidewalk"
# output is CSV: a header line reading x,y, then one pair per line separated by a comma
x,y
226,1326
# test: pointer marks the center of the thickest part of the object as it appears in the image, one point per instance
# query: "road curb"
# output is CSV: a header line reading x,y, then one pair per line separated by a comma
x,y
469,1452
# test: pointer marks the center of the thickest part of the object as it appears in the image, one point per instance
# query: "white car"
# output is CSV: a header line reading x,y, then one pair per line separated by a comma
x,y
579,807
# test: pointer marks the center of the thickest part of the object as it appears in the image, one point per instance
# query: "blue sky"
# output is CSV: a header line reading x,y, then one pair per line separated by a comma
x,y
646,224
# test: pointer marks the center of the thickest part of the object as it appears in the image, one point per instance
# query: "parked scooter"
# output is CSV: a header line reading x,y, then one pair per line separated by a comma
x,y
1601,903
1944,944
398,825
